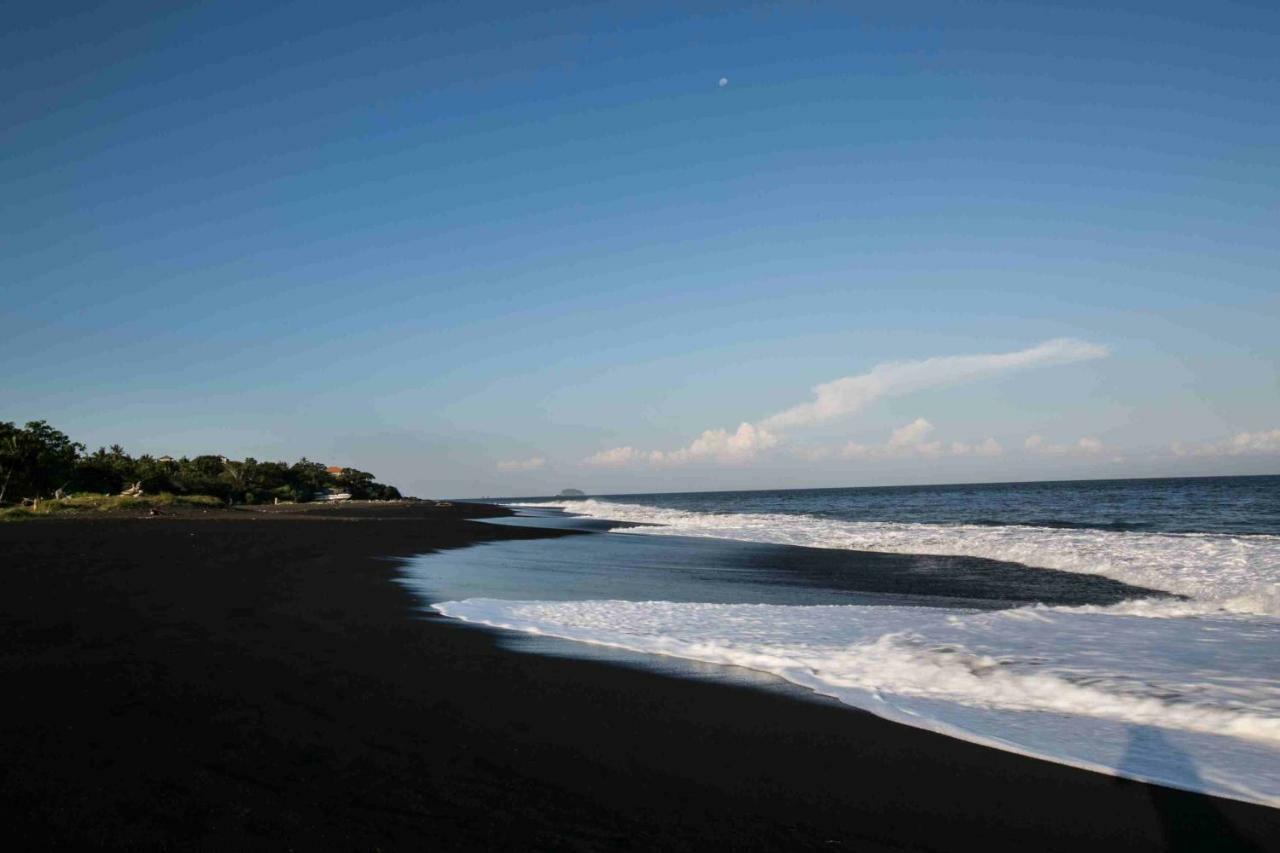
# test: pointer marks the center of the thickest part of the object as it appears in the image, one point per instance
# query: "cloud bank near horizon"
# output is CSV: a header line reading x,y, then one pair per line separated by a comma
x,y
916,439
847,395
1263,442
1086,446
534,463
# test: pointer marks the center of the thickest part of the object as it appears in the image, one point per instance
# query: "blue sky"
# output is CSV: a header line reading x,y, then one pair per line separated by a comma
x,y
479,249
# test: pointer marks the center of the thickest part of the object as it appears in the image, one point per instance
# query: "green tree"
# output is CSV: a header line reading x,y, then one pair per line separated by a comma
x,y
155,475
203,475
308,477
358,484
35,460
269,476
106,471
383,492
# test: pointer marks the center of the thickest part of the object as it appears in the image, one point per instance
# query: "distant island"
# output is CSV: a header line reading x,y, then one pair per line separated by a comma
x,y
571,493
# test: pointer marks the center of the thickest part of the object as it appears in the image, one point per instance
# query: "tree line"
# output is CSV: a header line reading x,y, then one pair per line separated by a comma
x,y
38,461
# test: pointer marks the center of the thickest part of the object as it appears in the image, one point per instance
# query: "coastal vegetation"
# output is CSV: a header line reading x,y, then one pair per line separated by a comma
x,y
81,503
43,471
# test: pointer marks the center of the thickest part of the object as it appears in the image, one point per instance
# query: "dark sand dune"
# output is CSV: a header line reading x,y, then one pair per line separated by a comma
x,y
237,680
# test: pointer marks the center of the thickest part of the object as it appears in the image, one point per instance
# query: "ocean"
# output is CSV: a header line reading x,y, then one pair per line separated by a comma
x,y
1130,627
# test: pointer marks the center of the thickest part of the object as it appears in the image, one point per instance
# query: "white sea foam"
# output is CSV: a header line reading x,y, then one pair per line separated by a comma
x,y
1217,571
1190,699
1189,702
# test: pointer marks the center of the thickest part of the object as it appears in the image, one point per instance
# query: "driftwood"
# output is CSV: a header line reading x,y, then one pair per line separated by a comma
x,y
134,491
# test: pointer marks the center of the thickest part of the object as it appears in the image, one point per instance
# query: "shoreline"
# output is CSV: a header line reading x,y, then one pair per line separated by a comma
x,y
257,679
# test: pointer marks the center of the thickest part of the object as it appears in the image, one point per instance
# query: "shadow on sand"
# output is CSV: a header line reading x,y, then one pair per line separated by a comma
x,y
1188,821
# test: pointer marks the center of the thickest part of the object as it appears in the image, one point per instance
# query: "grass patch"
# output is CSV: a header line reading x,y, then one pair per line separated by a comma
x,y
80,504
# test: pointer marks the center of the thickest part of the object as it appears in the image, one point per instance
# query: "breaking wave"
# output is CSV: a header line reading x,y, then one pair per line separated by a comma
x,y
1236,573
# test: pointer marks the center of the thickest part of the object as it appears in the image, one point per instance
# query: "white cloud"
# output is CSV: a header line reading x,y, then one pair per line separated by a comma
x,y
1081,447
854,450
910,435
1088,445
1240,444
990,447
614,457
911,439
532,464
721,445
845,396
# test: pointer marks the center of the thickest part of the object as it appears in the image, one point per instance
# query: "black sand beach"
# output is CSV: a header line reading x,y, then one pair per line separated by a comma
x,y
234,680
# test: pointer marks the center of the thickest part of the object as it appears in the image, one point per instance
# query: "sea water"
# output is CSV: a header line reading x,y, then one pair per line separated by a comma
x,y
1129,627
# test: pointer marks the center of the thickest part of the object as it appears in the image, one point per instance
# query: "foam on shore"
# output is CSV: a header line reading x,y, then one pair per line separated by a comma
x,y
1120,694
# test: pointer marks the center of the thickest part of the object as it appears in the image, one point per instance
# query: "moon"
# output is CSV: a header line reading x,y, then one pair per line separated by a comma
x,y
724,81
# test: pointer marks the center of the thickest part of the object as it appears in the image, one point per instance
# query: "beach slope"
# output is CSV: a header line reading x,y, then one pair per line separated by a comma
x,y
242,679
